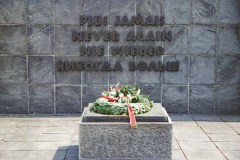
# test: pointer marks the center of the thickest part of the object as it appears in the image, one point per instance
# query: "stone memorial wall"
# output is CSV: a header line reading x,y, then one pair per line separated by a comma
x,y
56,56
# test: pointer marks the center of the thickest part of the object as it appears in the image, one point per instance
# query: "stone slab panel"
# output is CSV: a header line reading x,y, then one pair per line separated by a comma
x,y
67,12
228,70
13,99
179,42
201,99
227,100
176,11
41,70
68,77
177,77
175,99
13,70
41,99
40,40
204,11
13,40
40,11
149,7
202,70
202,40
12,12
153,91
229,11
229,40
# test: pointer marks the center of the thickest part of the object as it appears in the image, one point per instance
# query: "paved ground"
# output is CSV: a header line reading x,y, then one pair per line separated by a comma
x,y
196,137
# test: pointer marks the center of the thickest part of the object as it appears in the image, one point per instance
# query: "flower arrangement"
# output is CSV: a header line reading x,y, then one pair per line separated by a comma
x,y
116,100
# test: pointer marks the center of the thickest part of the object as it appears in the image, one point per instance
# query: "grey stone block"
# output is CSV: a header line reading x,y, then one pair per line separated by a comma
x,y
12,12
13,99
229,40
125,76
148,77
13,40
40,11
179,42
91,93
67,12
229,11
95,77
40,70
68,77
121,8
204,11
13,70
175,99
63,41
41,99
202,40
227,100
149,7
176,11
68,99
178,77
40,40
92,7
154,92
227,70
202,70
201,99
116,140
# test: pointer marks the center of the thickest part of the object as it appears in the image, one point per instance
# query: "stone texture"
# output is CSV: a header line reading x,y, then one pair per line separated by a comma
x,y
229,40
123,77
68,99
91,93
201,154
91,7
12,12
202,70
41,99
178,77
202,40
204,11
68,77
228,70
149,7
67,12
179,43
154,92
13,40
201,99
121,8
232,155
41,70
176,11
13,70
40,40
229,11
40,11
95,77
148,77
150,140
13,99
63,41
175,99
227,100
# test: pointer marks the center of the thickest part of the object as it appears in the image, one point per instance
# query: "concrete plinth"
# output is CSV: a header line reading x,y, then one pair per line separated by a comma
x,y
117,140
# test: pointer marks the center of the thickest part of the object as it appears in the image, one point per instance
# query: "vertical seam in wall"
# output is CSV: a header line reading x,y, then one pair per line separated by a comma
x,y
108,44
162,44
26,28
135,30
81,89
189,56
54,60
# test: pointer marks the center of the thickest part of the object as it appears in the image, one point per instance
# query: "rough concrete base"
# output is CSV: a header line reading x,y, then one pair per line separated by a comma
x,y
116,140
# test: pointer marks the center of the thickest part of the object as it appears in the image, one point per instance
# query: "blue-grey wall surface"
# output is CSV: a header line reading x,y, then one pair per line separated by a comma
x,y
35,34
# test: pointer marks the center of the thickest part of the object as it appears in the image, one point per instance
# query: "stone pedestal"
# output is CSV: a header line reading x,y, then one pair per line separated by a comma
x,y
111,137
